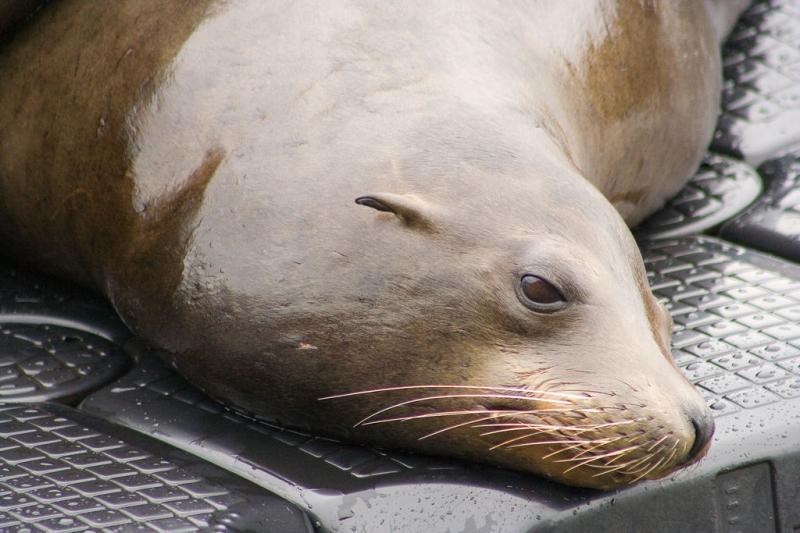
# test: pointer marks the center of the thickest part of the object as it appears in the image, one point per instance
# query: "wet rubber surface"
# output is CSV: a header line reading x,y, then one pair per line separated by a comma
x,y
721,188
62,471
41,362
772,223
761,97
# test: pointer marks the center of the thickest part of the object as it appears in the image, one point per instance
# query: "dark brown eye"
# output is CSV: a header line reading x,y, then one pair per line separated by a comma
x,y
539,294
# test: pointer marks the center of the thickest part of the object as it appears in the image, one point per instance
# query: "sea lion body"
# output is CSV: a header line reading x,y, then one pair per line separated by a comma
x,y
197,162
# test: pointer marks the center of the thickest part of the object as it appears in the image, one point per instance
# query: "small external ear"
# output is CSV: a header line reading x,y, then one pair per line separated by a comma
x,y
410,209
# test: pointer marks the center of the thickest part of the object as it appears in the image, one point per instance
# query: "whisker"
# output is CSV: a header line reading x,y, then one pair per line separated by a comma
x,y
519,426
586,462
600,442
447,396
455,426
608,464
552,431
675,443
644,460
509,441
659,441
609,469
469,387
615,458
445,413
670,456
602,456
507,428
565,449
643,466
648,471
538,443
554,427
597,442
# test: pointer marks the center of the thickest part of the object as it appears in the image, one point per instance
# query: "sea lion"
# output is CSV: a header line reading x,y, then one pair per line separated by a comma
x,y
393,223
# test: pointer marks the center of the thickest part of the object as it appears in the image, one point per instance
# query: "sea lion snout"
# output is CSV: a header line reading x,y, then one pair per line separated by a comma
x,y
703,424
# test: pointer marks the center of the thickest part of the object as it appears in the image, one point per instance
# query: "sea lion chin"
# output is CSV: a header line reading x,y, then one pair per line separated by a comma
x,y
389,223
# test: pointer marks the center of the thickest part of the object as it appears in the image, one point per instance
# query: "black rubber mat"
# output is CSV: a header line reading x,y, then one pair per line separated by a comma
x,y
56,342
721,188
736,337
27,297
772,223
761,98
63,471
45,362
736,333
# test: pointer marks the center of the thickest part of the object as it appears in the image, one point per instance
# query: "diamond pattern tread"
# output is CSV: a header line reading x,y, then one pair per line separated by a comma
x,y
56,342
772,223
736,333
45,362
761,96
721,188
61,471
30,298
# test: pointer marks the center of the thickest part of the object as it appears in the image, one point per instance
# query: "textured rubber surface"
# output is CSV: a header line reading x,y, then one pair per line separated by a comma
x,y
29,298
761,97
721,188
736,333
772,223
56,342
61,471
44,362
736,337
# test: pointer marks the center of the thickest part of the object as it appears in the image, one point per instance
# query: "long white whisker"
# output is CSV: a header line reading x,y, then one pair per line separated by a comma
x,y
644,460
670,456
470,387
455,426
554,427
600,442
538,443
601,456
648,471
565,449
659,441
610,469
444,413
443,397
509,441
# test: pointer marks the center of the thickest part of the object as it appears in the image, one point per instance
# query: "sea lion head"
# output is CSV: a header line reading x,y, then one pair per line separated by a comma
x,y
503,320
541,346
493,308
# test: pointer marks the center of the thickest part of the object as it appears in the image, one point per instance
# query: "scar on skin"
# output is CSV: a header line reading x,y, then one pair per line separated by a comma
x,y
306,346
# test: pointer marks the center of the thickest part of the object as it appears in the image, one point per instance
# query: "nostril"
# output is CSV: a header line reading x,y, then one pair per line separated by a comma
x,y
703,431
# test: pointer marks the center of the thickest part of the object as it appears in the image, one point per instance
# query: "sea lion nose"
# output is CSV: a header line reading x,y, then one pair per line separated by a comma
x,y
703,424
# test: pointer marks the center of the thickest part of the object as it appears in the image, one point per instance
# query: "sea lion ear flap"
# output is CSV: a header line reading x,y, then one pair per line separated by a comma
x,y
411,210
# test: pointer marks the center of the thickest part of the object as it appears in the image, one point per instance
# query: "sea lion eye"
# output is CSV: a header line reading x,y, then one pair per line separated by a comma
x,y
539,294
